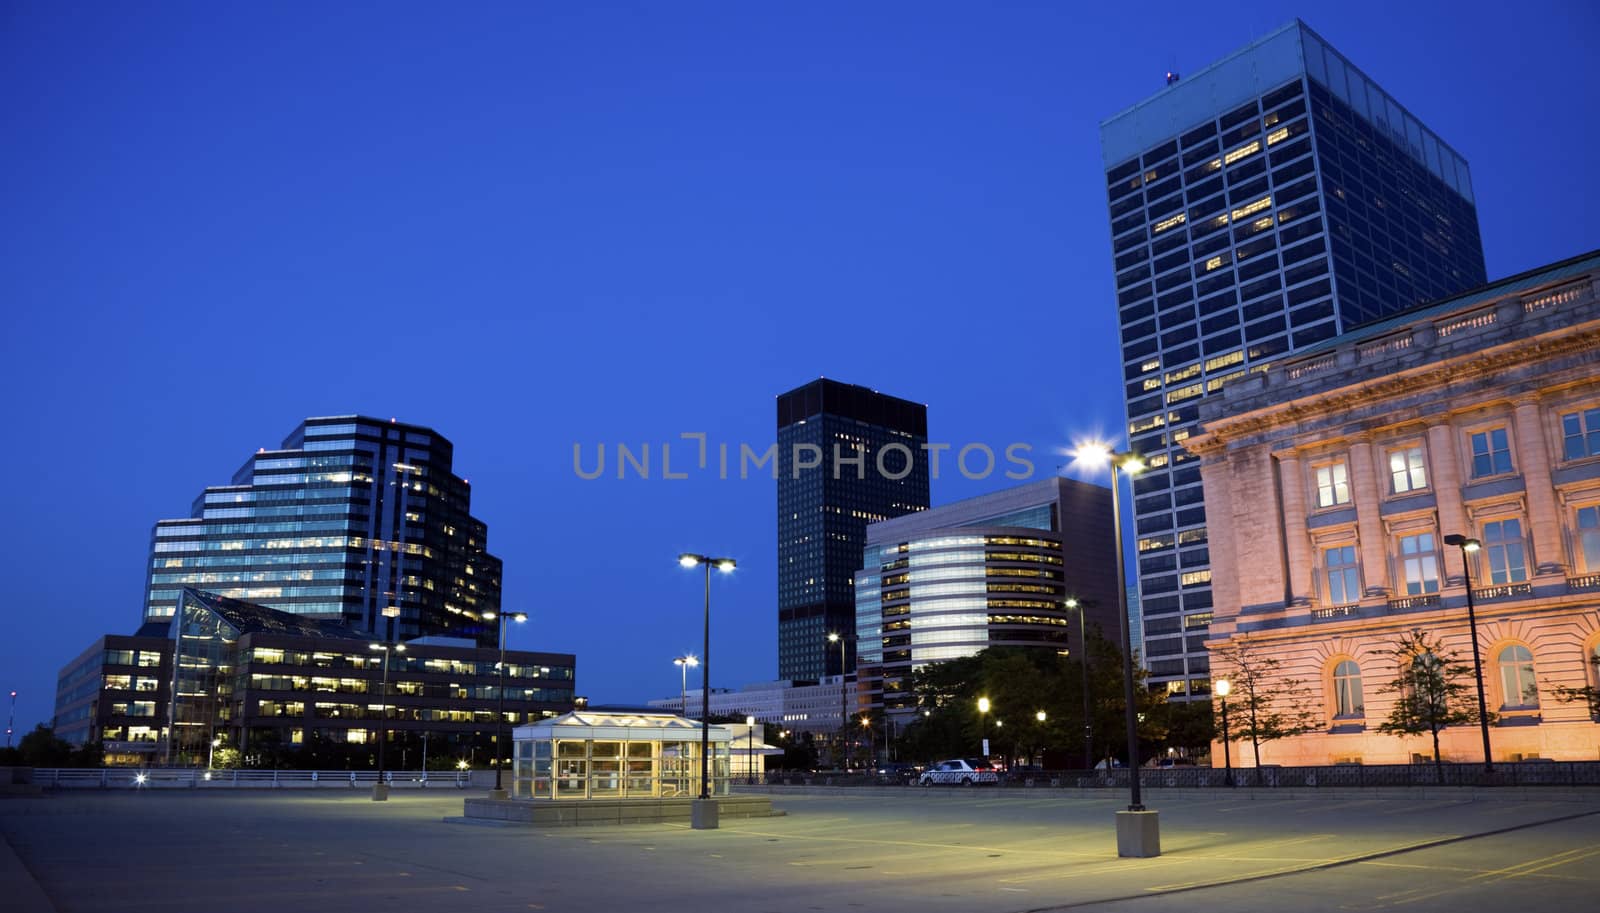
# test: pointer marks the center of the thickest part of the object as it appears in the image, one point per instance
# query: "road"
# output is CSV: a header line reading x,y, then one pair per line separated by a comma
x,y
963,851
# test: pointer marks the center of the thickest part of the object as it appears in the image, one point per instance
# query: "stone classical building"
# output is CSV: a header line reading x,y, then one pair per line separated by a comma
x,y
1337,473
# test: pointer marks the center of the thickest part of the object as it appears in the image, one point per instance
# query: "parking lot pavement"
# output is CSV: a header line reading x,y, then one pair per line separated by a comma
x,y
980,852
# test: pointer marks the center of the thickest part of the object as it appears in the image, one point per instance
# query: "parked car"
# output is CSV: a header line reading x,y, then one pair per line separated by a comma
x,y
897,773
959,772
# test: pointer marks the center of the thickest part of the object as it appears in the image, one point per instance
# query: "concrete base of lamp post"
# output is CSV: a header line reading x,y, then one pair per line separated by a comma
x,y
1139,834
499,794
703,815
380,792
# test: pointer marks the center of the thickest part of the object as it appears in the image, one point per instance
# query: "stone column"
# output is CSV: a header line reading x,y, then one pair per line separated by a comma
x,y
1444,474
1544,513
1369,523
1297,544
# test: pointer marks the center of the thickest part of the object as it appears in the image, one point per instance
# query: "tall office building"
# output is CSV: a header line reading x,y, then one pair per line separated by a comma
x,y
352,519
1269,202
847,456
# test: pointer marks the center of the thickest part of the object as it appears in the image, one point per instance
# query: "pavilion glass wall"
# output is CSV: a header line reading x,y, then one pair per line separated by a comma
x,y
611,769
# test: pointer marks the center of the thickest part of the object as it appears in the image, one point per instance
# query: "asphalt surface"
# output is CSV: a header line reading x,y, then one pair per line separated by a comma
x,y
972,851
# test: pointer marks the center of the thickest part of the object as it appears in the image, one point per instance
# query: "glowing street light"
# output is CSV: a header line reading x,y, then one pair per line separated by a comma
x,y
1223,688
725,565
1468,546
684,663
834,637
380,789
500,725
1143,834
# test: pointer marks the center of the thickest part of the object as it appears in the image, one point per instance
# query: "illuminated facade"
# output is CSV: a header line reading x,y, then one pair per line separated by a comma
x,y
1341,470
1271,201
995,570
352,519
823,511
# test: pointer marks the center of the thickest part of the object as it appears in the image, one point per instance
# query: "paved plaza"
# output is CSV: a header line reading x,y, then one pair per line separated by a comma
x,y
963,851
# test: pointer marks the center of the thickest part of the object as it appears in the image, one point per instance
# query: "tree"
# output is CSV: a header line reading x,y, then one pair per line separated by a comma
x,y
43,748
1429,693
1269,705
1589,694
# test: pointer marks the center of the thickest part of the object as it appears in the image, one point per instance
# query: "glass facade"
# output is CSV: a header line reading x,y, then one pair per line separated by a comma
x,y
1270,202
353,519
823,511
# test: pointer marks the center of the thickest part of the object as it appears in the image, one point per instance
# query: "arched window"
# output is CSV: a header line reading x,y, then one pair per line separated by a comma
x,y
1347,700
1517,685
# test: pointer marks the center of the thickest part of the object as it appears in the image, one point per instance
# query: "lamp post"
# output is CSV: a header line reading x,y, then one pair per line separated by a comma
x,y
684,663
1223,687
704,813
500,715
983,741
835,637
1040,717
1471,545
1138,829
750,750
380,789
1083,666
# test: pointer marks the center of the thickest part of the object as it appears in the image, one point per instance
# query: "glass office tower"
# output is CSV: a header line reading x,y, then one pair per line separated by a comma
x,y
1274,199
823,510
352,519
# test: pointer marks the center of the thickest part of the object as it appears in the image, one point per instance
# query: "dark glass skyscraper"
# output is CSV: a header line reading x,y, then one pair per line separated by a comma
x,y
352,519
831,484
1275,199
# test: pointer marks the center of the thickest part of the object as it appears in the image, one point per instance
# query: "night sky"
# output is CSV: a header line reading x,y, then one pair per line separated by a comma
x,y
537,225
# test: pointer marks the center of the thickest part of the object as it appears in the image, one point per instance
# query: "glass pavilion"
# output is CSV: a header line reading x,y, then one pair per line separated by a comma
x,y
598,754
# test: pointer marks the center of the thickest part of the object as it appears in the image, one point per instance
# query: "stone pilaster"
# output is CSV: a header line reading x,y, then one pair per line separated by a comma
x,y
1297,544
1444,467
1368,499
1544,513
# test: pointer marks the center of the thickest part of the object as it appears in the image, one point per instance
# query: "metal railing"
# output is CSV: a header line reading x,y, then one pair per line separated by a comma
x,y
1510,773
193,778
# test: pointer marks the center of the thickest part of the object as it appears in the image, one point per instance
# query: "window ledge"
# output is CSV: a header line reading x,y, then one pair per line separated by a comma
x,y
1519,717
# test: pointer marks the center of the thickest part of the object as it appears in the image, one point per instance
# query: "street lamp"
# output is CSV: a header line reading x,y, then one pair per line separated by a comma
x,y
704,818
1083,666
750,750
500,725
983,740
684,663
1471,545
835,637
380,789
1138,830
211,755
1041,717
1223,687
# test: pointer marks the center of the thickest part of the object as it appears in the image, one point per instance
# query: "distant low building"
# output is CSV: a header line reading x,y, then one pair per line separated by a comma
x,y
812,707
277,687
1342,470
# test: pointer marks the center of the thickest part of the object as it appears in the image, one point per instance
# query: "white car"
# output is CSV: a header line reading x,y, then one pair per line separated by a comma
x,y
959,772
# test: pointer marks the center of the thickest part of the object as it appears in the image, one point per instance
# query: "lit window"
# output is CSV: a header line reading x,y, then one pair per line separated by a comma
x,y
1406,470
1167,223
1183,373
1194,578
1580,434
1245,151
1213,263
1347,690
1277,135
1502,539
1152,383
1491,454
1419,564
1223,361
1518,689
1333,485
1183,393
1152,365
1250,209
1344,578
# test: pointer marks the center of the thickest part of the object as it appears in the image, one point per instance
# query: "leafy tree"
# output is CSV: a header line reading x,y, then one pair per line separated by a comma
x,y
1268,704
1429,692
1589,694
43,748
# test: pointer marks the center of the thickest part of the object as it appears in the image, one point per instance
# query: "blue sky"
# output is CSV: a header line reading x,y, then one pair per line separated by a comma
x,y
535,225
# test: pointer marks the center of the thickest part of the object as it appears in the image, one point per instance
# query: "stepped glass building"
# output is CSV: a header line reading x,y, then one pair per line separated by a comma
x,y
352,519
824,506
1267,203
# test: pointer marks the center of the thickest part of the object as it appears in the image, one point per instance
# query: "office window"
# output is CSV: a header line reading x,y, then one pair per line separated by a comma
x,y
1518,689
1589,538
1406,470
1502,540
1580,434
1333,485
1344,578
1419,564
1491,453
1347,701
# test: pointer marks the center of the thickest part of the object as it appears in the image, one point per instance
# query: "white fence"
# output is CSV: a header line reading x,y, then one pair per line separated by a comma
x,y
195,778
